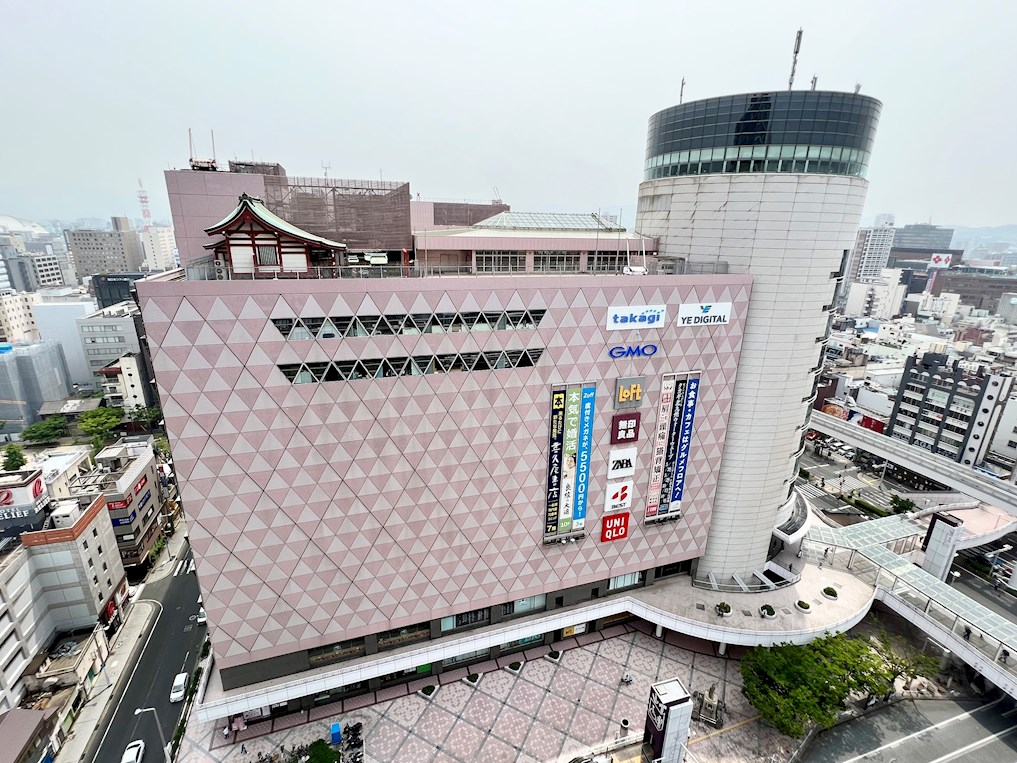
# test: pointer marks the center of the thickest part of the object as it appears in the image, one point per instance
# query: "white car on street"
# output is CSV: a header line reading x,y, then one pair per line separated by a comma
x,y
134,753
179,688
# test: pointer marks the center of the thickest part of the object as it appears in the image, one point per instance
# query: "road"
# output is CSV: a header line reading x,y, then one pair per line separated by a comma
x,y
981,591
173,646
929,731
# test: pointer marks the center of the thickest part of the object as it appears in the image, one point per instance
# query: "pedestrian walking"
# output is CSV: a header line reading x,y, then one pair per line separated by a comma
x,y
243,749
967,633
1004,656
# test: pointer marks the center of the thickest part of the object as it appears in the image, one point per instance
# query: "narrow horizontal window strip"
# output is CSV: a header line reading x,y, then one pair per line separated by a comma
x,y
418,365
358,326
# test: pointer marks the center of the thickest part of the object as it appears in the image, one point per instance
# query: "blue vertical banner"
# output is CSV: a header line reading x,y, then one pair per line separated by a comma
x,y
583,456
556,433
685,438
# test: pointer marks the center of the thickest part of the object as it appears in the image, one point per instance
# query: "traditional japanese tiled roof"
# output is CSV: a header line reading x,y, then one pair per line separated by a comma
x,y
261,213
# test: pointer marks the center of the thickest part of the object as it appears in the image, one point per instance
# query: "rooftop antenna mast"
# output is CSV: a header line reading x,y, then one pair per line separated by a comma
x,y
201,165
794,59
326,167
681,93
814,79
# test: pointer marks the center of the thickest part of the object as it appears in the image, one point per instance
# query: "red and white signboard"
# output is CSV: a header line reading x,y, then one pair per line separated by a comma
x,y
615,527
618,496
939,260
625,428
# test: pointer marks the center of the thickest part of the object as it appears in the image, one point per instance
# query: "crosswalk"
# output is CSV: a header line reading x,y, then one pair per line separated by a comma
x,y
183,567
810,491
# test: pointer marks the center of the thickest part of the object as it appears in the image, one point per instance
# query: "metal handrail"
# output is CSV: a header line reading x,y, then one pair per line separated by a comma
x,y
204,269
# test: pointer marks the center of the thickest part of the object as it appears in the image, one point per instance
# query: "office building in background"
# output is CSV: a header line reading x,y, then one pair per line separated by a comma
x,y
105,251
31,374
160,248
113,288
870,254
107,334
923,236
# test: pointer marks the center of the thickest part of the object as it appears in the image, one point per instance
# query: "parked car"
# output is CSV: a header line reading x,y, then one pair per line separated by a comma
x,y
201,616
134,753
179,688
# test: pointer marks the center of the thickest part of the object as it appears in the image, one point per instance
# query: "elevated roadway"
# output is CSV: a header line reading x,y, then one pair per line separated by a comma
x,y
935,467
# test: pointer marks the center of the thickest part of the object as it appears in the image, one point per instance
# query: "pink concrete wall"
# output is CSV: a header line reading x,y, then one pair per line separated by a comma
x,y
199,200
320,512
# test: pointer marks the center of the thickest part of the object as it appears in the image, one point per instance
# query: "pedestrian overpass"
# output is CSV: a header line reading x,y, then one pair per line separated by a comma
x,y
873,550
930,465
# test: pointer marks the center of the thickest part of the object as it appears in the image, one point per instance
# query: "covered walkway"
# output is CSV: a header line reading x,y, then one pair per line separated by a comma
x,y
871,551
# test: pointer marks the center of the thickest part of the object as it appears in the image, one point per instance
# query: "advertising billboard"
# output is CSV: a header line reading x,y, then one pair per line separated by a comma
x,y
672,443
570,448
554,461
715,314
628,392
636,317
625,428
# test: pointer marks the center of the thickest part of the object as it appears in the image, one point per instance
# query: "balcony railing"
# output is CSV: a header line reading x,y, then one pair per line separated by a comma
x,y
206,270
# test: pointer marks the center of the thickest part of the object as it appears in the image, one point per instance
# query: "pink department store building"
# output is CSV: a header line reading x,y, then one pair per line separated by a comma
x,y
429,465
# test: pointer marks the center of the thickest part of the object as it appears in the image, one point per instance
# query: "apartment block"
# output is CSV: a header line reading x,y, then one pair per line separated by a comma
x,y
126,478
62,577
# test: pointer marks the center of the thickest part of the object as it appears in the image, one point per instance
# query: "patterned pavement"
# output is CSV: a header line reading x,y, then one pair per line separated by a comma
x,y
547,713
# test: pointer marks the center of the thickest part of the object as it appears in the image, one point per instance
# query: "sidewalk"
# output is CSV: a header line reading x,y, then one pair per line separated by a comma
x,y
124,652
126,645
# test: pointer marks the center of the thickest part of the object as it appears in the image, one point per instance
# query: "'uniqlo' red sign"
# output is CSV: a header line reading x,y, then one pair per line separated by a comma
x,y
615,527
625,428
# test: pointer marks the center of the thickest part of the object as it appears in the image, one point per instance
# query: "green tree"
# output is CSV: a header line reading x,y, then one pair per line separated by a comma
x,y
901,505
48,430
14,458
903,659
100,422
795,686
149,417
162,446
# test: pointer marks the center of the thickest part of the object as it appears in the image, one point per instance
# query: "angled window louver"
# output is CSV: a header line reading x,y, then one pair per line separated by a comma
x,y
417,365
355,327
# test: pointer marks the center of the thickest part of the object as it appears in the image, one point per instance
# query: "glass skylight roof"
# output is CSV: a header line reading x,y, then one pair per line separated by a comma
x,y
549,221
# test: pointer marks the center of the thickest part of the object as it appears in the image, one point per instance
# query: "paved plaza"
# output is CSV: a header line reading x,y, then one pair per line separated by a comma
x,y
547,713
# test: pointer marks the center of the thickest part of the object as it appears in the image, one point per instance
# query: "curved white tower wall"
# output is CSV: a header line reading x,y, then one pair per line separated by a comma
x,y
753,182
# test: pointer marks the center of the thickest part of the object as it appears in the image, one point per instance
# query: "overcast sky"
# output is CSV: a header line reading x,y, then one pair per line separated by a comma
x,y
547,101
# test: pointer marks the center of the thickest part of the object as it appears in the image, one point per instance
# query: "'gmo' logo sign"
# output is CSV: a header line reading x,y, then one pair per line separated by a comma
x,y
637,351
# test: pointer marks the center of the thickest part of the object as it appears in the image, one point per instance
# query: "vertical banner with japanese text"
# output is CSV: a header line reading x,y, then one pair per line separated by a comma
x,y
685,440
671,457
589,401
570,451
658,441
554,461
672,443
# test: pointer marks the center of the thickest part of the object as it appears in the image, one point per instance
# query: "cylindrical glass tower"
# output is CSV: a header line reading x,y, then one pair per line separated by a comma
x,y
770,184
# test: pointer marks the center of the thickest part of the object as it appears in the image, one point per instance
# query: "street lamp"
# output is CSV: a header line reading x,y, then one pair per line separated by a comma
x,y
158,726
995,557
